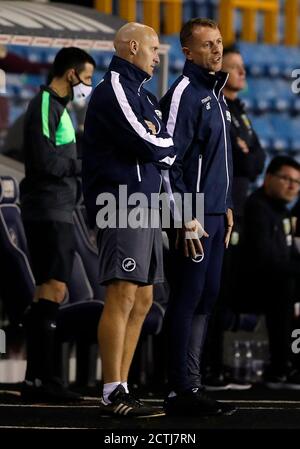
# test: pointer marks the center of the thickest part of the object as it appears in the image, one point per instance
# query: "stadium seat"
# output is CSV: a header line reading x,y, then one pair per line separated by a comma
x,y
88,253
79,286
16,279
77,326
17,283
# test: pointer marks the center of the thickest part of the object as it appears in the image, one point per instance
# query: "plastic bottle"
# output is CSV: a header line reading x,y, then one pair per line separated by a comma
x,y
248,376
237,360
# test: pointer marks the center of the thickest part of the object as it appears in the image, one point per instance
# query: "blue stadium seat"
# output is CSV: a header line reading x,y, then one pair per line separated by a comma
x,y
88,252
87,249
264,129
271,60
106,60
295,105
282,131
98,57
175,55
188,10
79,286
17,283
16,279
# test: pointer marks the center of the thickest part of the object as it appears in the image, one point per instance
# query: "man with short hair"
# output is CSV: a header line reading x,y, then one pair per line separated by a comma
x,y
198,119
125,145
48,197
270,264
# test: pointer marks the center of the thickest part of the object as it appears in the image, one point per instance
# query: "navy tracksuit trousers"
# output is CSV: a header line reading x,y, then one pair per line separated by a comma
x,y
194,289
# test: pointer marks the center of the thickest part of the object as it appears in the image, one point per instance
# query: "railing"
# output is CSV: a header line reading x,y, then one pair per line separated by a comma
x,y
291,22
166,16
270,9
249,8
171,13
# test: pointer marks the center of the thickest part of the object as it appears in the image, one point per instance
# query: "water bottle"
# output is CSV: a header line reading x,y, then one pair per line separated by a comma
x,y
237,360
248,370
259,360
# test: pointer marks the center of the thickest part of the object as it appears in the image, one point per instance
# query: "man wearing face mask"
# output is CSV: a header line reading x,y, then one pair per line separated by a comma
x,y
48,195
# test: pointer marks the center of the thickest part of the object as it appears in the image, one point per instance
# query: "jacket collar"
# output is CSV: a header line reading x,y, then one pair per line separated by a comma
x,y
277,204
63,100
237,102
128,70
199,76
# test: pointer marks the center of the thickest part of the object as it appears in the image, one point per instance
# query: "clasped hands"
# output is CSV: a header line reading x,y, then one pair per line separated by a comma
x,y
188,239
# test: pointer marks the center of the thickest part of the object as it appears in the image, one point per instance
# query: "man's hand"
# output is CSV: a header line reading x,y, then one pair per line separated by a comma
x,y
189,238
151,126
229,217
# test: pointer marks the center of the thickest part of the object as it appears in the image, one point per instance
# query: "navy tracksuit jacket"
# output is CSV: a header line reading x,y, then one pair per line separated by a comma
x,y
198,119
119,147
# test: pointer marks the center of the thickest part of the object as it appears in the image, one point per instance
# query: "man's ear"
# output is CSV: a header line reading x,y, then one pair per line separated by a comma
x,y
187,53
268,179
134,46
70,74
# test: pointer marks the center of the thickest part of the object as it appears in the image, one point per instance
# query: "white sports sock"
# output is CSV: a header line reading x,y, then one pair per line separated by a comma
x,y
107,389
125,385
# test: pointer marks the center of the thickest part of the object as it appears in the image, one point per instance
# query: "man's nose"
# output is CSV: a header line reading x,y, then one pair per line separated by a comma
x,y
216,48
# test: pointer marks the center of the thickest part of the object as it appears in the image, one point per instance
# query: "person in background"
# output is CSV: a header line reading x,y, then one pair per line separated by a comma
x,y
48,197
270,264
248,163
247,154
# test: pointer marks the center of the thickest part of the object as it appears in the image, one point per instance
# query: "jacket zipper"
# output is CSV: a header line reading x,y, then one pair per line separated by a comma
x,y
199,173
138,171
225,137
160,184
142,83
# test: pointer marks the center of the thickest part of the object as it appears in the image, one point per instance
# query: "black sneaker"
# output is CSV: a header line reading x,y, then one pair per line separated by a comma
x,y
134,400
124,404
226,409
50,392
195,403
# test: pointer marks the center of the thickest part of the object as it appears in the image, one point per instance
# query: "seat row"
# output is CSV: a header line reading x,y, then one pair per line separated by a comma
x,y
80,312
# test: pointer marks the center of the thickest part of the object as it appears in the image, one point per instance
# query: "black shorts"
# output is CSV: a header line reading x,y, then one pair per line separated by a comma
x,y
134,255
51,247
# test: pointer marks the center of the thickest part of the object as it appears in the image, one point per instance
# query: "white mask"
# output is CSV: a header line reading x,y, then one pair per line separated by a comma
x,y
81,91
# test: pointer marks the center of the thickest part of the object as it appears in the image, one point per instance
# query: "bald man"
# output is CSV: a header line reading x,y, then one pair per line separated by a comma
x,y
125,146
